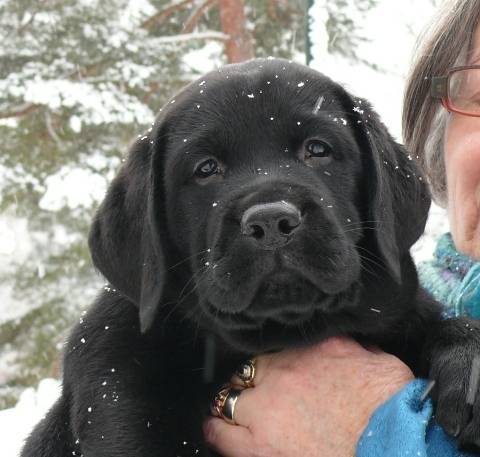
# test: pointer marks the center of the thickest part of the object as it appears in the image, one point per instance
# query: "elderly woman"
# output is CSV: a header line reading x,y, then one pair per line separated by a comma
x,y
335,389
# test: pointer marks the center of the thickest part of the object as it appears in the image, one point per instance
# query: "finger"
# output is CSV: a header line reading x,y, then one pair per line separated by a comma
x,y
263,363
246,405
339,346
245,374
228,440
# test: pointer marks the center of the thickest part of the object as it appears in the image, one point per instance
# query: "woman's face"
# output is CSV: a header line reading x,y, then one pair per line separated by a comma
x,y
462,161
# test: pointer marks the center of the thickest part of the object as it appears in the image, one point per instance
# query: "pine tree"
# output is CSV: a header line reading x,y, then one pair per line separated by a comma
x,y
343,26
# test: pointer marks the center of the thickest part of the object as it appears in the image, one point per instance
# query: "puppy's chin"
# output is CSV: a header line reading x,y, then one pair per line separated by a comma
x,y
256,332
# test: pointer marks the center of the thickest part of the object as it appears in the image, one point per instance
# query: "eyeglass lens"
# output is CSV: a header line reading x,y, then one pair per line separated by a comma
x,y
464,90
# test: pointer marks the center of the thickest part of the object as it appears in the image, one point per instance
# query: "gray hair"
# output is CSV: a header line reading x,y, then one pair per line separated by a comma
x,y
448,43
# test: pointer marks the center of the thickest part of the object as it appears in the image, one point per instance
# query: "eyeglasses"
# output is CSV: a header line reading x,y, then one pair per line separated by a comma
x,y
459,90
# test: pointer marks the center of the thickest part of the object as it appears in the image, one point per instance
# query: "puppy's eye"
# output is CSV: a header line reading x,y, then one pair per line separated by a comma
x,y
206,168
317,153
317,148
208,171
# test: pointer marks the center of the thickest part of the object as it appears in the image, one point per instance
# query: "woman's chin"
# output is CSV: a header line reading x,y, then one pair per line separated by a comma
x,y
464,218
475,244
468,240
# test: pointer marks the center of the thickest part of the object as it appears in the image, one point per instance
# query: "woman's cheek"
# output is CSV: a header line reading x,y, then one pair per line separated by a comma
x,y
462,160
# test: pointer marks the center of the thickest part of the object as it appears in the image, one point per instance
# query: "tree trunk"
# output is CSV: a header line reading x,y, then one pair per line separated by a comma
x,y
240,45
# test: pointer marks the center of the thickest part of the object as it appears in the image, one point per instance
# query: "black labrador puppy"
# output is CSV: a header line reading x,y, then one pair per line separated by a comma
x,y
266,208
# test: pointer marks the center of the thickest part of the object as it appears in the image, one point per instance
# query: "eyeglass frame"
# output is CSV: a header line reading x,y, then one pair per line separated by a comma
x,y
439,89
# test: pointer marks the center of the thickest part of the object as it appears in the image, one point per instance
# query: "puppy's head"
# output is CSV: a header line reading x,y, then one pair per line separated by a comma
x,y
283,191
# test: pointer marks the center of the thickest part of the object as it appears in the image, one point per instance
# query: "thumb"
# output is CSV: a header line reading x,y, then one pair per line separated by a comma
x,y
228,440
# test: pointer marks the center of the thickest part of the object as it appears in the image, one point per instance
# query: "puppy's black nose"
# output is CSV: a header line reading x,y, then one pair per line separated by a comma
x,y
271,224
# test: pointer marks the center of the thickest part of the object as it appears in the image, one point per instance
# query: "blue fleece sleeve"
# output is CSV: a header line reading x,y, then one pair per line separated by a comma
x,y
403,426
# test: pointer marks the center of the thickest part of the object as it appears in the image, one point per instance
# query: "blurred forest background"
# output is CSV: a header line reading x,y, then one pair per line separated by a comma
x,y
79,79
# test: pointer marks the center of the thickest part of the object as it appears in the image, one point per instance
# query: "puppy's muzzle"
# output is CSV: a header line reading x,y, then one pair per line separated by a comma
x,y
271,225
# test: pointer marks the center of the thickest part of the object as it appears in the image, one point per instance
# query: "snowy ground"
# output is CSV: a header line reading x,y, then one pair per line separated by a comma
x,y
16,423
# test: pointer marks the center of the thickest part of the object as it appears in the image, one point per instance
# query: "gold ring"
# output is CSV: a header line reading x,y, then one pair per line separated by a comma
x,y
224,404
245,374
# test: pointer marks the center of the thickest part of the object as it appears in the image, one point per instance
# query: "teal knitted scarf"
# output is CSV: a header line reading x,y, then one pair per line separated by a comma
x,y
453,279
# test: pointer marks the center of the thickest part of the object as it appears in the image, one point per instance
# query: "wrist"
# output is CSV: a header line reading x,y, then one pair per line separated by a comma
x,y
399,425
387,383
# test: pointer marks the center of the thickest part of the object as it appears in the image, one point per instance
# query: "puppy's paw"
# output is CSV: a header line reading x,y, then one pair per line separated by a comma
x,y
455,367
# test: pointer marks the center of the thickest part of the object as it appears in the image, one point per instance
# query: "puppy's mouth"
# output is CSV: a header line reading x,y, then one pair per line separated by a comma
x,y
287,298
284,298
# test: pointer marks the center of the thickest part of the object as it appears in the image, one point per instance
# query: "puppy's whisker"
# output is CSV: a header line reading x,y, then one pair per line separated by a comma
x,y
370,272
360,229
362,221
371,257
379,228
186,259
366,221
197,277
182,297
372,261
360,225
364,267
363,258
317,243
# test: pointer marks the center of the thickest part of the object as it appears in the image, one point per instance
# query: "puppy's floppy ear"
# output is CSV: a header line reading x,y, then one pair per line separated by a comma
x,y
398,198
125,237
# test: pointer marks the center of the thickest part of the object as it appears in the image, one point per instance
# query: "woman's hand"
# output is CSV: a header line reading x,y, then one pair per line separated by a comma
x,y
306,402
